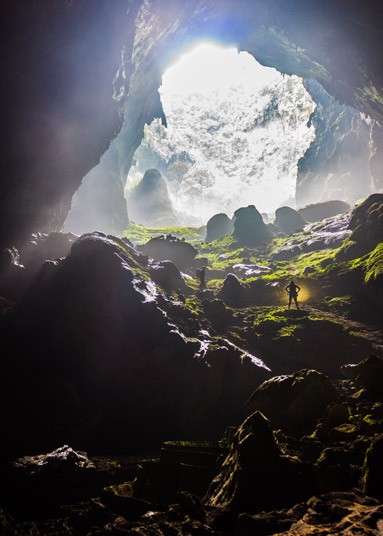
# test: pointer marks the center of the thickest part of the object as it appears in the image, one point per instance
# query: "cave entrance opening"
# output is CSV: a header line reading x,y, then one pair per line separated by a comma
x,y
235,132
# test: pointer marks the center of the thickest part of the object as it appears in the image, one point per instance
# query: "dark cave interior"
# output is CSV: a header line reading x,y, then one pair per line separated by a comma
x,y
172,400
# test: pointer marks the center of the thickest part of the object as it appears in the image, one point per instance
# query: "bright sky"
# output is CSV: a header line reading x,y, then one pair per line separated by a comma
x,y
208,68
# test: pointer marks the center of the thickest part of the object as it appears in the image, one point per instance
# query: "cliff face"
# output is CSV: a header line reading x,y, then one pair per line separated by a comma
x,y
337,163
60,58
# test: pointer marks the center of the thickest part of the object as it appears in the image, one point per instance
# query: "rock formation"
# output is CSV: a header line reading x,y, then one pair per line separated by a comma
x,y
149,203
246,481
288,220
293,402
249,228
320,211
218,226
170,248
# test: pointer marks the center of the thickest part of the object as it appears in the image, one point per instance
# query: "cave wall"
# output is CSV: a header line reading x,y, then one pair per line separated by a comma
x,y
60,58
337,163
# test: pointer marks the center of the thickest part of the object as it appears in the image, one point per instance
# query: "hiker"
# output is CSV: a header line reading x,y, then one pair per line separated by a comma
x,y
201,276
292,290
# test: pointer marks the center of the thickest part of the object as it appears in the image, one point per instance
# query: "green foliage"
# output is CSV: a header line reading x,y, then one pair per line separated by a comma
x,y
139,234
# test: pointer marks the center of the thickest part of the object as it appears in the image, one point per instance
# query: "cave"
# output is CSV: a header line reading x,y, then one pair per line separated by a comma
x,y
63,116
158,381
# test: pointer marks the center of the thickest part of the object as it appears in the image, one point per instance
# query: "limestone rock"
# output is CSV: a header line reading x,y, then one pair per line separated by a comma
x,y
321,211
233,292
149,203
366,224
218,225
165,274
249,227
293,402
288,220
171,248
257,475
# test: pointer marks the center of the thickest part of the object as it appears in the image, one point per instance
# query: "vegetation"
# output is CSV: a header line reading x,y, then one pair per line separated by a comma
x,y
139,234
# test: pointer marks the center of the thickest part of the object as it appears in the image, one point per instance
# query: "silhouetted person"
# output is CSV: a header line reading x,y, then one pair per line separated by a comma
x,y
292,290
201,275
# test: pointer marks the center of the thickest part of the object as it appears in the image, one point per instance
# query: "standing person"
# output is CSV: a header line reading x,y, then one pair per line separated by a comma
x,y
292,290
201,275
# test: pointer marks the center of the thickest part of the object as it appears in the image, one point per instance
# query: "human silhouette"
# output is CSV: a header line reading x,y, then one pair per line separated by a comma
x,y
201,275
292,290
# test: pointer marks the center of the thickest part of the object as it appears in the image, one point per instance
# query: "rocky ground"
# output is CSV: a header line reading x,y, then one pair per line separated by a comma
x,y
195,411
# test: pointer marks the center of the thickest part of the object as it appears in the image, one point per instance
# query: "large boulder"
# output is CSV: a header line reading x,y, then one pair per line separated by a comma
x,y
149,203
166,274
322,211
233,292
218,225
288,220
170,248
249,227
366,224
257,475
293,402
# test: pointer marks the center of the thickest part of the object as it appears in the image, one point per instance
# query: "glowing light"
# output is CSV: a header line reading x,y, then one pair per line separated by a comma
x,y
209,68
243,128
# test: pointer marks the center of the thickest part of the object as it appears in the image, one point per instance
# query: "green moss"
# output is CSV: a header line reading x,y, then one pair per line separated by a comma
x,y
288,331
194,305
373,265
139,234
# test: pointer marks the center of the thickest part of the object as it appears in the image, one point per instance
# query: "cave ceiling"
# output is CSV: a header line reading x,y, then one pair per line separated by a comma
x,y
73,69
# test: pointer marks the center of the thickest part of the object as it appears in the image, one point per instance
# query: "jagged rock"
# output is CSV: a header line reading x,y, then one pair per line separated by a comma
x,y
293,402
257,475
49,479
321,211
249,228
330,514
373,469
149,203
163,248
288,220
165,274
218,225
233,292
